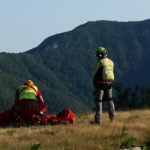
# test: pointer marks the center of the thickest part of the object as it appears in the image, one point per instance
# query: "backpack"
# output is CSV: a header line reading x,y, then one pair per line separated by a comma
x,y
67,116
108,67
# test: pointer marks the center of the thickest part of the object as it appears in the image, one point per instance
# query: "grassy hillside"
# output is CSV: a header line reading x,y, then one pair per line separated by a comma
x,y
129,128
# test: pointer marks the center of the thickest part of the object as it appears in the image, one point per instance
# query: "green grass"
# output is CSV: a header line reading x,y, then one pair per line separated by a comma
x,y
130,128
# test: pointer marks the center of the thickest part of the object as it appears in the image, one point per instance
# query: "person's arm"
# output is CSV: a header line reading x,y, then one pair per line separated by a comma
x,y
39,97
97,71
16,99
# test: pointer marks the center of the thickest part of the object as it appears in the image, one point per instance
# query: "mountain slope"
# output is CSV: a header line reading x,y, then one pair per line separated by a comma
x,y
126,43
62,65
71,57
19,67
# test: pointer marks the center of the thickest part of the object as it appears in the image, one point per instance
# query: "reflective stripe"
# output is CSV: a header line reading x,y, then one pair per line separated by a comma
x,y
27,92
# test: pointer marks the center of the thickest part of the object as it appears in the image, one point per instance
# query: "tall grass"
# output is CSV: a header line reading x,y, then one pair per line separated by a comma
x,y
129,128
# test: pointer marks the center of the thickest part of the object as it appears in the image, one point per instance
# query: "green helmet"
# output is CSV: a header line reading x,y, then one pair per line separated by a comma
x,y
99,51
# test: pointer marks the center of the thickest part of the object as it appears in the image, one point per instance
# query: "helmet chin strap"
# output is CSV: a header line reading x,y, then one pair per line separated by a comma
x,y
101,57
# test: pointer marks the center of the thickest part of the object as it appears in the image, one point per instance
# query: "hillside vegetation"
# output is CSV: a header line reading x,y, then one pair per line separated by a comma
x,y
62,65
131,128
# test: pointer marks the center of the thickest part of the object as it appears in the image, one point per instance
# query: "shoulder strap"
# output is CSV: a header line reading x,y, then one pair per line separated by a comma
x,y
104,64
29,87
34,89
22,90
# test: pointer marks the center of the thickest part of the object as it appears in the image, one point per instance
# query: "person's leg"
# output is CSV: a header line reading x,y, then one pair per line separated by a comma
x,y
110,104
98,105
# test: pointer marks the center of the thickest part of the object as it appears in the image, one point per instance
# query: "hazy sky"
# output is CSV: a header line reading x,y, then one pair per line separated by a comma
x,y
24,24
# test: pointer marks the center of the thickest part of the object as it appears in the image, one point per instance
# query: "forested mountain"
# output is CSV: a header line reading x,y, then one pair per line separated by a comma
x,y
62,65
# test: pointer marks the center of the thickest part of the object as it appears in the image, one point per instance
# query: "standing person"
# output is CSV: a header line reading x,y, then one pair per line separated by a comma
x,y
29,93
103,78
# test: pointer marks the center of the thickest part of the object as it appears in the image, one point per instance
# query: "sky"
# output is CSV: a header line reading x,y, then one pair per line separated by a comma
x,y
24,24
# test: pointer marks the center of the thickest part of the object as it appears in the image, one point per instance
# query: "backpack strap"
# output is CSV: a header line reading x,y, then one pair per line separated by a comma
x,y
28,87
104,64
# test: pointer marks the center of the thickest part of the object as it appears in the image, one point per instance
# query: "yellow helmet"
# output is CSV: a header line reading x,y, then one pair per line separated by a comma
x,y
29,82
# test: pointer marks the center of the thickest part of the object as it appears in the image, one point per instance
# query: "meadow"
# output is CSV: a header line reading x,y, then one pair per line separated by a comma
x,y
129,128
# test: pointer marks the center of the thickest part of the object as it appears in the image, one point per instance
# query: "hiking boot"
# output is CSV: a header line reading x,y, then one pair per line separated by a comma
x,y
112,119
96,122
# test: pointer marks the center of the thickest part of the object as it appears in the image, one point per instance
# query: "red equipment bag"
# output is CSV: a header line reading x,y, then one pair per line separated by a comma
x,y
64,117
28,113
4,117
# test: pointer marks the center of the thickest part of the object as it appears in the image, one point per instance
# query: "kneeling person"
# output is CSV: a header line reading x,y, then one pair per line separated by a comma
x,y
29,93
